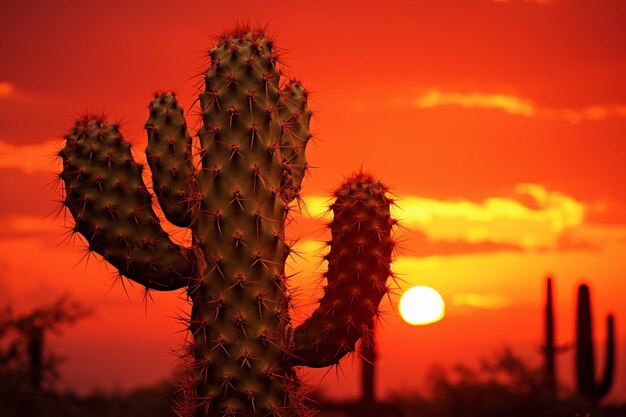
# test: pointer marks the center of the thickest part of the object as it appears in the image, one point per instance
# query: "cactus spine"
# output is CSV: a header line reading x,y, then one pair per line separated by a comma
x,y
236,203
585,370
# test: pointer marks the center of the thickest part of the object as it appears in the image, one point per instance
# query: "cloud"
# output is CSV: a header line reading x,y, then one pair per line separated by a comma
x,y
21,226
420,245
499,220
6,89
509,104
590,113
493,301
516,105
29,158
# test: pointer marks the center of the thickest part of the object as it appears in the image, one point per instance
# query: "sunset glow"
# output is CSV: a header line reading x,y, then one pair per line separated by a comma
x,y
498,126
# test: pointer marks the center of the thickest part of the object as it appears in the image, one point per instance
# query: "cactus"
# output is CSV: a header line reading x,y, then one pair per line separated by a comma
x,y
32,330
585,369
549,349
236,203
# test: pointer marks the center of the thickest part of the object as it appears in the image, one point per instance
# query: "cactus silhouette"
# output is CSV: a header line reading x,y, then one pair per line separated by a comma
x,y
236,201
32,329
550,348
585,369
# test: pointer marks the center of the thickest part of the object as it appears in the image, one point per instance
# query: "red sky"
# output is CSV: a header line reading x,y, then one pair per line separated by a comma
x,y
499,124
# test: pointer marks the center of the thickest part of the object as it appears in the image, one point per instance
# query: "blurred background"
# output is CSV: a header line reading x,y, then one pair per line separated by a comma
x,y
499,126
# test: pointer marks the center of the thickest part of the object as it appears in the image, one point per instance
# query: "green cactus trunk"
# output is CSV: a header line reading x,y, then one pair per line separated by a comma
x,y
236,203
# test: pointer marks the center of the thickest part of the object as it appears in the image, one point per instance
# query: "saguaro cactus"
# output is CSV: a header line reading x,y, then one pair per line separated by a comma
x,y
585,369
236,203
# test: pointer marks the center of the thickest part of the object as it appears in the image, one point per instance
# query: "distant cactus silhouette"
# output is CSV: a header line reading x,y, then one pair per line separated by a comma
x,y
585,369
252,161
550,348
32,329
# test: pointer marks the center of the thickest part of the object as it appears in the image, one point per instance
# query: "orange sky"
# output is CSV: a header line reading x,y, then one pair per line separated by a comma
x,y
499,124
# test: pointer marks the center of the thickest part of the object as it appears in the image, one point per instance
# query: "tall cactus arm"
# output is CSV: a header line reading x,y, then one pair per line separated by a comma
x,y
585,369
170,157
112,207
239,106
239,140
246,165
358,268
607,379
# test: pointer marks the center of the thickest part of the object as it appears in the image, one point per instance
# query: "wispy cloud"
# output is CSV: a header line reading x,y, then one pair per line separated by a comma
x,y
590,113
512,104
28,158
20,226
555,210
516,105
493,301
507,103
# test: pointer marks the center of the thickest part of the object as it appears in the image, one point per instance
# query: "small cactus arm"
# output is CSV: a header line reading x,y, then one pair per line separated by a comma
x,y
251,164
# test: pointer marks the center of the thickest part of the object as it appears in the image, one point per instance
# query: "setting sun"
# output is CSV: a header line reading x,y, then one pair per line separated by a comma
x,y
421,305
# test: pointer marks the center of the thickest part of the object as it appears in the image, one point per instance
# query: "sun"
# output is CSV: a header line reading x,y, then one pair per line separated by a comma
x,y
421,305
